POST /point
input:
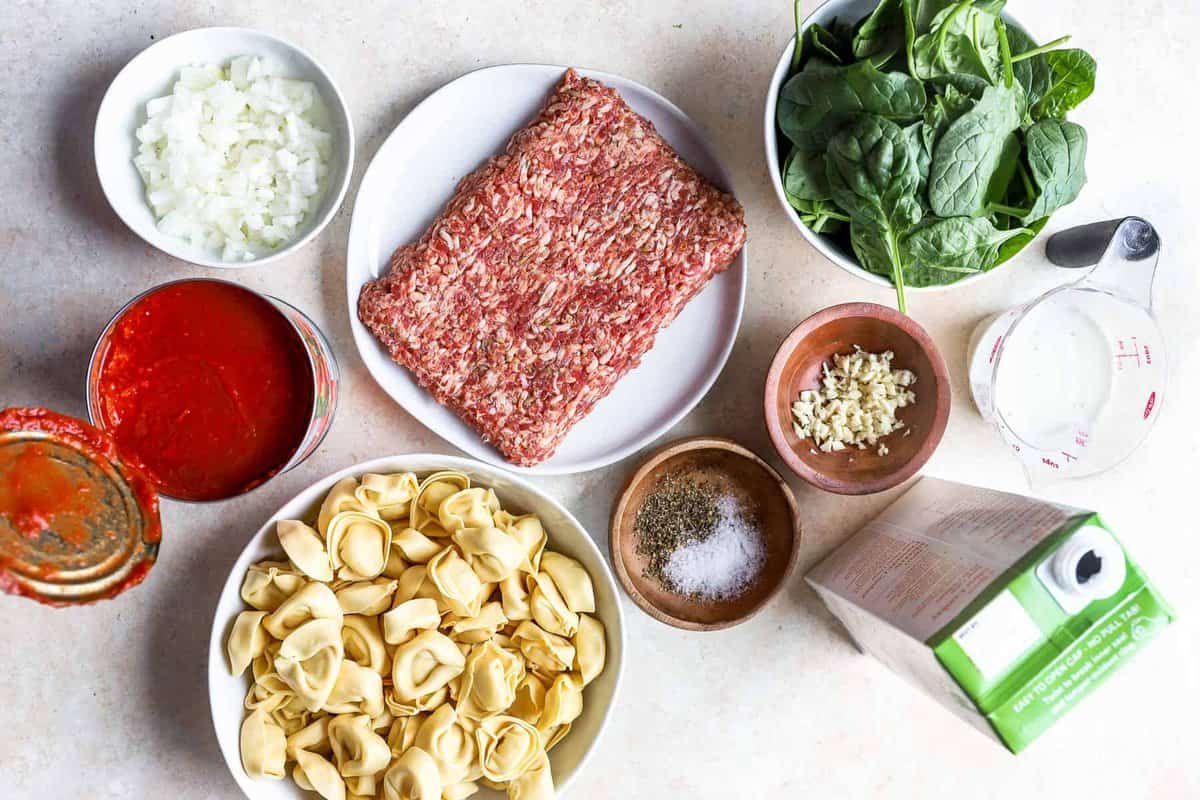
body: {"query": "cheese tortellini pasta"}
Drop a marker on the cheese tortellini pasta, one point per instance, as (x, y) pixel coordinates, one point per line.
(416, 641)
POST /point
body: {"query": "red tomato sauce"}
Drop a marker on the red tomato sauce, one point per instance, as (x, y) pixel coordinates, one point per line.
(207, 385)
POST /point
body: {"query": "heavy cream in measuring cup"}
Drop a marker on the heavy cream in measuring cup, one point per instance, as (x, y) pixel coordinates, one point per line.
(1074, 380)
(1056, 378)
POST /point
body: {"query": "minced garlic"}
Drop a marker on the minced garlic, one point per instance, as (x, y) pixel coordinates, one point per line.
(856, 404)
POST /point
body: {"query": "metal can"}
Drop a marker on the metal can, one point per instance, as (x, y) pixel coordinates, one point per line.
(322, 366)
(77, 522)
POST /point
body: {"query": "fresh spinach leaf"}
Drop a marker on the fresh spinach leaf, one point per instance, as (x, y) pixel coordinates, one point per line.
(804, 175)
(970, 151)
(921, 153)
(873, 245)
(881, 34)
(816, 102)
(1032, 72)
(872, 173)
(923, 12)
(824, 42)
(1006, 168)
(873, 177)
(957, 244)
(1017, 243)
(1072, 79)
(942, 110)
(961, 41)
(819, 216)
(1056, 150)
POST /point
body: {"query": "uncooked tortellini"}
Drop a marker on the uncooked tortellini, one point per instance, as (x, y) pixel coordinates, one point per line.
(359, 543)
(310, 659)
(508, 747)
(314, 601)
(424, 664)
(412, 776)
(389, 495)
(263, 746)
(357, 749)
(417, 641)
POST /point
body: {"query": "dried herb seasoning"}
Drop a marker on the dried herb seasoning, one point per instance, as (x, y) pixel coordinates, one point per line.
(678, 512)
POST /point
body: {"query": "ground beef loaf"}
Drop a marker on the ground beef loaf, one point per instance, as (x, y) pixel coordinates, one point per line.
(548, 274)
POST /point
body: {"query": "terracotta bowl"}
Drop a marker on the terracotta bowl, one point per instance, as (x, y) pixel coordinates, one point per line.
(728, 465)
(797, 366)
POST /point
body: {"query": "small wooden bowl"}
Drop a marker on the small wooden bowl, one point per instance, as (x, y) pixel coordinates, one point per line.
(726, 464)
(797, 366)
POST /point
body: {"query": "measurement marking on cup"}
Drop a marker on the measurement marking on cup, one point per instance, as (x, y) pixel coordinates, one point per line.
(1128, 350)
(1149, 405)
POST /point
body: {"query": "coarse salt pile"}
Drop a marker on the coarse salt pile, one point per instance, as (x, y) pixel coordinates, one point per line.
(234, 159)
(725, 563)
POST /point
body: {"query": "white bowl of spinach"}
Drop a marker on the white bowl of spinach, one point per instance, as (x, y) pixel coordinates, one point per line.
(922, 143)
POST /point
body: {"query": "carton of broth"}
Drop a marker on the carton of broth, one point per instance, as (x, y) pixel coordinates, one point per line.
(1006, 609)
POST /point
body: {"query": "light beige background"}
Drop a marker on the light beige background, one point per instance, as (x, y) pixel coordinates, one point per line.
(110, 701)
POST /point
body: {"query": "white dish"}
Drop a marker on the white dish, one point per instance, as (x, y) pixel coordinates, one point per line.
(415, 173)
(226, 693)
(151, 74)
(825, 14)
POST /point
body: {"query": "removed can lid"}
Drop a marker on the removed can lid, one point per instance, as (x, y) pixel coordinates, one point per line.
(77, 523)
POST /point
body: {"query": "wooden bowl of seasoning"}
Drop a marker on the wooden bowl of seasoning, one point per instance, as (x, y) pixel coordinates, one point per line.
(704, 534)
(799, 366)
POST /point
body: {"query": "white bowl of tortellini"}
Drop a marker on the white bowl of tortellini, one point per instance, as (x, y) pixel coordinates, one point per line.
(417, 627)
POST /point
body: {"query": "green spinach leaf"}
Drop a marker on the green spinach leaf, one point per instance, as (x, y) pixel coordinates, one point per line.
(873, 177)
(881, 35)
(814, 103)
(804, 175)
(820, 216)
(1032, 72)
(1072, 79)
(923, 12)
(1056, 151)
(962, 41)
(957, 244)
(942, 110)
(971, 150)
(826, 43)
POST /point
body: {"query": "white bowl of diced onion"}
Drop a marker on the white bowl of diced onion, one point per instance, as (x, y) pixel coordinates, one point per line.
(224, 147)
(564, 534)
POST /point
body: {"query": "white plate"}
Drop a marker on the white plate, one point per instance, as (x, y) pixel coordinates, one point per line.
(152, 73)
(227, 693)
(415, 173)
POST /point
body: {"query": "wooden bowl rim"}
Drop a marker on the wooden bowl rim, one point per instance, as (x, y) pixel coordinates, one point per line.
(620, 509)
(941, 415)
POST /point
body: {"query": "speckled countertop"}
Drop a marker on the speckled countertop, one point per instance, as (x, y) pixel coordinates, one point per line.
(111, 701)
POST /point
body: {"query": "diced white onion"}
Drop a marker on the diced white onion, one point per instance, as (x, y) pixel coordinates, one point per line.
(235, 159)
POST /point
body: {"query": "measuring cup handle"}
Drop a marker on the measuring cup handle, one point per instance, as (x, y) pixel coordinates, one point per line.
(1083, 245)
(1124, 251)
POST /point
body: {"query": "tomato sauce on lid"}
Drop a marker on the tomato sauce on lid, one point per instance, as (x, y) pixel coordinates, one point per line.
(207, 385)
(77, 523)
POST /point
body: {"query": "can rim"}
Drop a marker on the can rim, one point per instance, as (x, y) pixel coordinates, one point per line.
(93, 390)
(95, 445)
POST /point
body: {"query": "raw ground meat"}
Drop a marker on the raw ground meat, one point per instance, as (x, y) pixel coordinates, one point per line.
(548, 274)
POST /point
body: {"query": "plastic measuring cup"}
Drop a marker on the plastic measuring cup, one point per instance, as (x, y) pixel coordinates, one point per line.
(1074, 380)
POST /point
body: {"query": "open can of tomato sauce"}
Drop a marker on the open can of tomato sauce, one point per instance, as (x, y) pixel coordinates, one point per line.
(78, 523)
(213, 388)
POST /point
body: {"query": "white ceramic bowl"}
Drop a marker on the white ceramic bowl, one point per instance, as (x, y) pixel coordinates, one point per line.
(227, 693)
(851, 11)
(151, 74)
